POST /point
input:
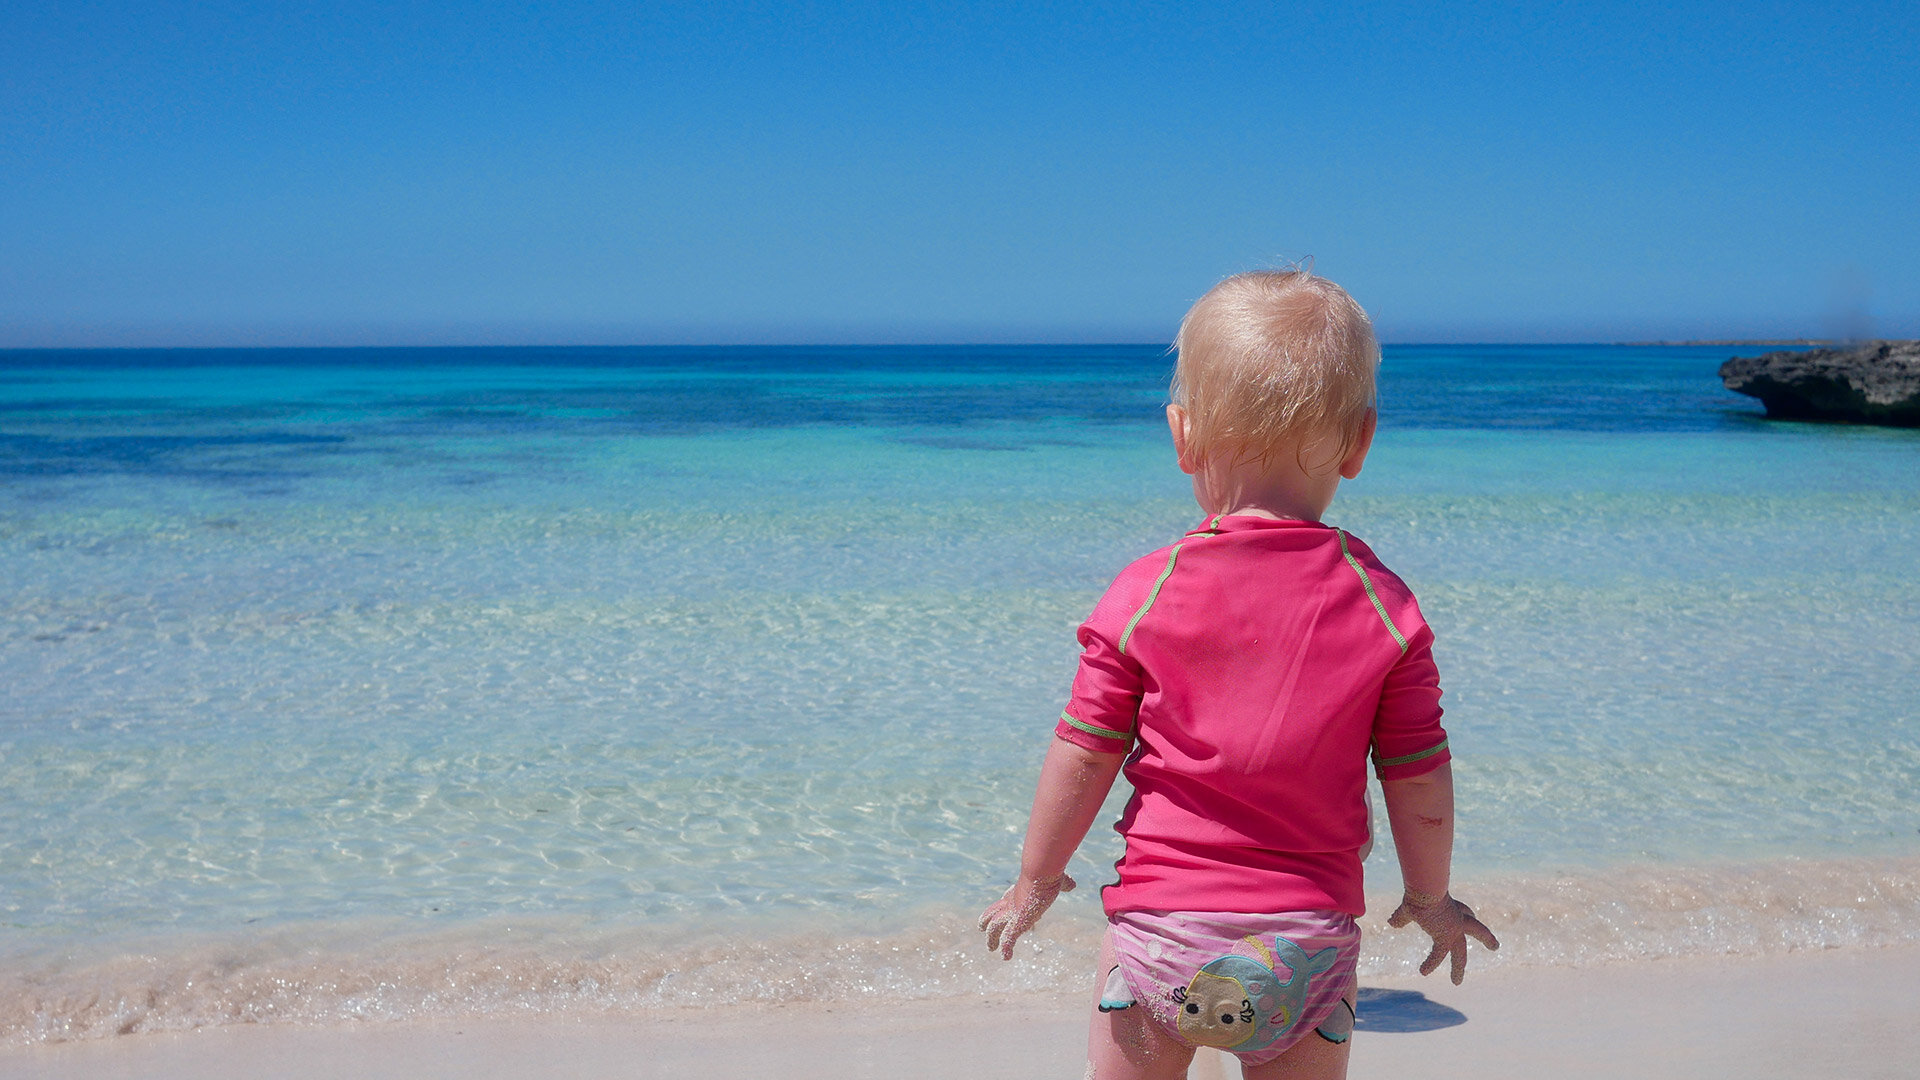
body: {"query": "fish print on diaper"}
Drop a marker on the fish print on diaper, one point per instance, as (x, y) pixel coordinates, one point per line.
(1238, 1003)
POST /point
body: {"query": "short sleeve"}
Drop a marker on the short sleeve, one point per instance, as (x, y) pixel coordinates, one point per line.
(1408, 740)
(1104, 709)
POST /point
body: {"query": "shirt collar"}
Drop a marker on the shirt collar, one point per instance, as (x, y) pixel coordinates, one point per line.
(1226, 523)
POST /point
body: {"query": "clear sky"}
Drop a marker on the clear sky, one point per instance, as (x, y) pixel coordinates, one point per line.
(216, 173)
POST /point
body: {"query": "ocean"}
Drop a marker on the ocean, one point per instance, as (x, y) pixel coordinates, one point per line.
(376, 683)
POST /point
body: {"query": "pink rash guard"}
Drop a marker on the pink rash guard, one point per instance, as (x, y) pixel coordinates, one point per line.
(1247, 671)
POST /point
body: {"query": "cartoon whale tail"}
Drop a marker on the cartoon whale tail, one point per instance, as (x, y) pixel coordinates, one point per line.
(1302, 966)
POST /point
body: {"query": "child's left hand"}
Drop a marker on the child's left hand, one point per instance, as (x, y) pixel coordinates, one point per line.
(1449, 923)
(1016, 913)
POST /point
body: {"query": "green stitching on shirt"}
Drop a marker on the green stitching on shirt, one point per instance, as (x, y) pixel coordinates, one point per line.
(1127, 634)
(1390, 762)
(1119, 736)
(1367, 584)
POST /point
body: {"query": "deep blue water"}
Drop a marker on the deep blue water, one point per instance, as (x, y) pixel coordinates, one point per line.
(248, 416)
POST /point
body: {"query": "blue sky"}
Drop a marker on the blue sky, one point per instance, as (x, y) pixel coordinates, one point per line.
(347, 173)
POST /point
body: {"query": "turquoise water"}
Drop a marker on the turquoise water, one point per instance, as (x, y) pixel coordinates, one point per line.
(338, 680)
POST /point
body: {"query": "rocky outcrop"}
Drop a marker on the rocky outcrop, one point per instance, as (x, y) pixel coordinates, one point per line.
(1875, 383)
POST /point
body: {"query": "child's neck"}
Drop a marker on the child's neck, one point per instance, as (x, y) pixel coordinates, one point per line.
(1278, 488)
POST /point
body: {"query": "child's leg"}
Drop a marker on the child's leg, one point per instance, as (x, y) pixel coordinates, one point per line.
(1126, 1044)
(1312, 1058)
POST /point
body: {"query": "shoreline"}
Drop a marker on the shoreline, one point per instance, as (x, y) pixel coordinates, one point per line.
(559, 969)
(1832, 1012)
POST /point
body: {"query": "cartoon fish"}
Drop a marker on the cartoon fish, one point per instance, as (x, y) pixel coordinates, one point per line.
(1238, 1003)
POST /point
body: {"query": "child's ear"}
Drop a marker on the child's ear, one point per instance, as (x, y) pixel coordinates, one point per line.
(1182, 428)
(1356, 457)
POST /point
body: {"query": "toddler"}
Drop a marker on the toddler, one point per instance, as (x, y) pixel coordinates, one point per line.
(1242, 677)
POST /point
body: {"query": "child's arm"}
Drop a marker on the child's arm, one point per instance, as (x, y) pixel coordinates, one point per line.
(1073, 783)
(1420, 811)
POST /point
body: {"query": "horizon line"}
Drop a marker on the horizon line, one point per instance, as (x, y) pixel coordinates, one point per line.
(1648, 343)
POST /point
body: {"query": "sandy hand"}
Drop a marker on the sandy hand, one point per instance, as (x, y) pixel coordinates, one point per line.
(1016, 913)
(1449, 923)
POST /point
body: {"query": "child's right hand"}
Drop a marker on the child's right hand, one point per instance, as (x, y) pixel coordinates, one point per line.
(1449, 923)
(1016, 912)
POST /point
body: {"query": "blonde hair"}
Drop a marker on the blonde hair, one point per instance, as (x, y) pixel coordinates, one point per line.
(1274, 359)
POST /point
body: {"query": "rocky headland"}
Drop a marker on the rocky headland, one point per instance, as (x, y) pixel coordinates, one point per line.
(1874, 383)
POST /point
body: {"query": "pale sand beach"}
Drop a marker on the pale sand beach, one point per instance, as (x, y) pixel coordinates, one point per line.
(1828, 1013)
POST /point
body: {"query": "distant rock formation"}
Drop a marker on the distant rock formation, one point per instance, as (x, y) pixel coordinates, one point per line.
(1875, 383)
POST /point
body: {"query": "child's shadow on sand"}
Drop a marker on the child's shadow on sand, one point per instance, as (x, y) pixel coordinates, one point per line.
(1402, 1010)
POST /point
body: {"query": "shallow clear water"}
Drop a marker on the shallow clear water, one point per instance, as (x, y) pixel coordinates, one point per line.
(388, 650)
